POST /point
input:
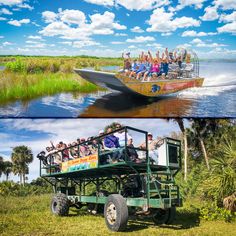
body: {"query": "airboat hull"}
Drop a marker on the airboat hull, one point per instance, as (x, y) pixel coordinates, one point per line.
(125, 84)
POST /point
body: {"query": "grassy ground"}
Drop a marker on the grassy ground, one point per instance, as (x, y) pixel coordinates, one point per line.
(14, 86)
(31, 216)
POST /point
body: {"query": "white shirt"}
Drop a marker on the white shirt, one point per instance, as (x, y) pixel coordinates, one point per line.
(121, 137)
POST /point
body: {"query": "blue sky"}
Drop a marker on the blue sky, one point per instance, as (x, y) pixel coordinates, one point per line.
(109, 27)
(37, 133)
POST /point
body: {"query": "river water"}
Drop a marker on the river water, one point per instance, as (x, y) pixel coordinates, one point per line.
(217, 98)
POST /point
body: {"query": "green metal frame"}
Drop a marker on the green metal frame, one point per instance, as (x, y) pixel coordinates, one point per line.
(161, 190)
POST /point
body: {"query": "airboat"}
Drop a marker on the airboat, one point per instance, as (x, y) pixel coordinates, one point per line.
(177, 79)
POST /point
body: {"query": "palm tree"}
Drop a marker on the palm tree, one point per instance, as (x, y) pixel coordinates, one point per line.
(200, 130)
(21, 157)
(7, 169)
(180, 122)
(224, 169)
(1, 166)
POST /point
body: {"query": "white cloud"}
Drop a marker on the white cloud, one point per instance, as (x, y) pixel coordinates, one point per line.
(1, 37)
(198, 4)
(36, 45)
(154, 45)
(72, 17)
(5, 11)
(35, 37)
(117, 42)
(3, 18)
(7, 44)
(132, 47)
(137, 29)
(138, 5)
(225, 4)
(184, 45)
(199, 43)
(18, 3)
(197, 40)
(141, 5)
(166, 34)
(26, 6)
(86, 43)
(210, 14)
(228, 18)
(141, 39)
(31, 42)
(120, 34)
(102, 24)
(222, 52)
(18, 22)
(11, 2)
(228, 28)
(101, 2)
(16, 9)
(162, 21)
(55, 28)
(192, 33)
(118, 26)
(49, 16)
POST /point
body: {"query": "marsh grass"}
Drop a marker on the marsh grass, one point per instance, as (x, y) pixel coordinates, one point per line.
(32, 65)
(30, 77)
(31, 216)
(14, 86)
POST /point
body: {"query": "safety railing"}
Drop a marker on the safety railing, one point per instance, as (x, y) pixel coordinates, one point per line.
(98, 152)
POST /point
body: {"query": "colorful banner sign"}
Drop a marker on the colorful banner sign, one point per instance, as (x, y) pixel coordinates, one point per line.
(82, 163)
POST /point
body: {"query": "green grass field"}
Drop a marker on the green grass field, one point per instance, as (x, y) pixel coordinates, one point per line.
(31, 216)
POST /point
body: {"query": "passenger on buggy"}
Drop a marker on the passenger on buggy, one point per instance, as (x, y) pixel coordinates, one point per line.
(111, 142)
(152, 148)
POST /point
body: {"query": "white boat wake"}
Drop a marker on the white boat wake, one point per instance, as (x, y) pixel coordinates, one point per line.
(212, 86)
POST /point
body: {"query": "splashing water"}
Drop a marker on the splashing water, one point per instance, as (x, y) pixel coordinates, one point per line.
(217, 79)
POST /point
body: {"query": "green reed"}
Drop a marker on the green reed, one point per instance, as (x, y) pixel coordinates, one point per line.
(14, 86)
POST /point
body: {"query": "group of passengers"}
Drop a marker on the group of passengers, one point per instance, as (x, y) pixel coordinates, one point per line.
(149, 68)
(110, 143)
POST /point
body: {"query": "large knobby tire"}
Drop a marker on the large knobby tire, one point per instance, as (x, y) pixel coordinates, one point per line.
(60, 205)
(116, 213)
(172, 214)
(164, 216)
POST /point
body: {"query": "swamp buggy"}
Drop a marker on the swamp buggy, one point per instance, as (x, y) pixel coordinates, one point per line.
(141, 186)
